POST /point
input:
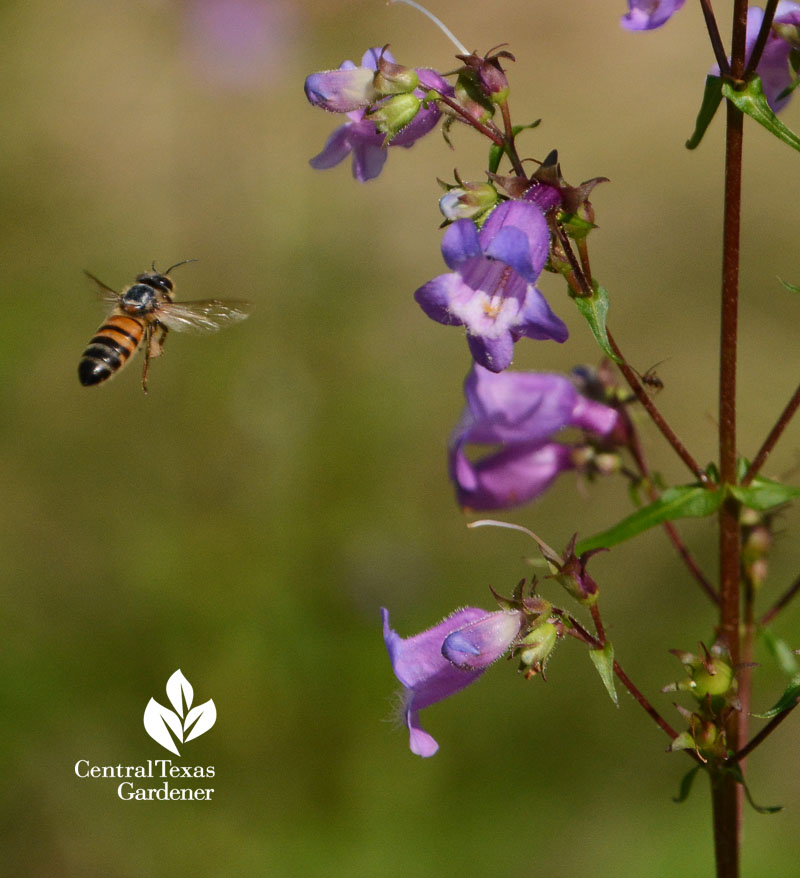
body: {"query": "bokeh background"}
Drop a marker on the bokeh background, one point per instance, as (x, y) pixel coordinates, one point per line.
(283, 480)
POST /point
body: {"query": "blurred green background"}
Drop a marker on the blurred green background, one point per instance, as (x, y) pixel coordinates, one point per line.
(283, 480)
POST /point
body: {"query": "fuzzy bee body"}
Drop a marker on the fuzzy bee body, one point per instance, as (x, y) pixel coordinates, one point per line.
(141, 316)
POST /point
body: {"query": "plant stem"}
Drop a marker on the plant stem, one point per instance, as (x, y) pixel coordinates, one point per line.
(775, 433)
(793, 589)
(658, 419)
(713, 34)
(768, 729)
(637, 452)
(726, 793)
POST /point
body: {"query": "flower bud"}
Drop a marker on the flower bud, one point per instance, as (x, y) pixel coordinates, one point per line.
(391, 116)
(535, 649)
(395, 79)
(467, 201)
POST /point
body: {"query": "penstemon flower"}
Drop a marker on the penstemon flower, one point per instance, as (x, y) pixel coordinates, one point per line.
(491, 289)
(521, 412)
(475, 638)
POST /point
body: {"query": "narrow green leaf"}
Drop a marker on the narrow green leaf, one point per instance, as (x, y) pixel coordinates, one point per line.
(686, 785)
(763, 494)
(684, 501)
(780, 650)
(712, 98)
(787, 701)
(594, 309)
(752, 102)
(791, 287)
(603, 660)
(736, 771)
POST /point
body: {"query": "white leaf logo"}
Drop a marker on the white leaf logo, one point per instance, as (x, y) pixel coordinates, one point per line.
(184, 722)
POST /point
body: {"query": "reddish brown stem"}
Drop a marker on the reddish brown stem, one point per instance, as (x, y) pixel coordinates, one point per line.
(658, 419)
(635, 447)
(725, 792)
(761, 39)
(793, 589)
(714, 36)
(768, 729)
(775, 433)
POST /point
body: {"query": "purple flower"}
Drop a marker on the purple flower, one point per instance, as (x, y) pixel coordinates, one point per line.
(491, 289)
(649, 14)
(473, 638)
(773, 67)
(521, 412)
(351, 90)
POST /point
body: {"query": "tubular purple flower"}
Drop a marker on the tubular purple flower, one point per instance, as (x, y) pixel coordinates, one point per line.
(427, 676)
(521, 412)
(350, 90)
(490, 289)
(649, 14)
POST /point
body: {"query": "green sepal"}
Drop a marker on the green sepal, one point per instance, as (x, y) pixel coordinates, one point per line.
(752, 102)
(686, 785)
(791, 287)
(603, 660)
(787, 701)
(594, 309)
(736, 771)
(763, 494)
(496, 152)
(712, 98)
(683, 501)
(780, 650)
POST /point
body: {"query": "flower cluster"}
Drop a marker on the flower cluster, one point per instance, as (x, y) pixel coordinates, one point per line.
(521, 412)
(384, 104)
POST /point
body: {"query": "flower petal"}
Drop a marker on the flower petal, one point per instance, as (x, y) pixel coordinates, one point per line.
(479, 643)
(459, 243)
(514, 476)
(435, 297)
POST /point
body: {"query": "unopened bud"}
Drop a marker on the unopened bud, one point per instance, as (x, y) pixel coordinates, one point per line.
(391, 116)
(395, 79)
(535, 649)
(467, 201)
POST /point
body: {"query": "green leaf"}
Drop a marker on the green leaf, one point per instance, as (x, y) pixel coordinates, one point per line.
(780, 650)
(791, 287)
(787, 701)
(684, 501)
(594, 309)
(686, 785)
(603, 660)
(763, 494)
(751, 101)
(712, 98)
(736, 771)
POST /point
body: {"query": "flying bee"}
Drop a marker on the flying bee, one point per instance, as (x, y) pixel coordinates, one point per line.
(141, 315)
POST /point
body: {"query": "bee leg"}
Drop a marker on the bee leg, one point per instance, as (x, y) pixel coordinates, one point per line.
(152, 348)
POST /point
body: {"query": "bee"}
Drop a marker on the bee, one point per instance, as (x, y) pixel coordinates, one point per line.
(141, 315)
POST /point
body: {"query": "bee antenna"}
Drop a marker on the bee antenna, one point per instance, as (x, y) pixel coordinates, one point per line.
(183, 262)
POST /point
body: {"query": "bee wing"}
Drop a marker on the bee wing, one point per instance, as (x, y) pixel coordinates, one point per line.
(108, 296)
(207, 315)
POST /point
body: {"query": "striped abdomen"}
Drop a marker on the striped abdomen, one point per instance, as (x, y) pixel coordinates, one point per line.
(111, 348)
